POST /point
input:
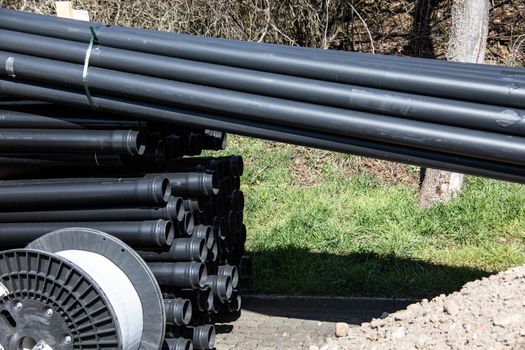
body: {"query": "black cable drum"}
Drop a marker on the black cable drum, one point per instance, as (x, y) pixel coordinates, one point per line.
(61, 292)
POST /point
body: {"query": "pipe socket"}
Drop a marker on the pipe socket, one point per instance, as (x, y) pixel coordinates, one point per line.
(178, 311)
(180, 274)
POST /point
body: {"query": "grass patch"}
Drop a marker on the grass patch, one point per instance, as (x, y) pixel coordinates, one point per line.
(326, 223)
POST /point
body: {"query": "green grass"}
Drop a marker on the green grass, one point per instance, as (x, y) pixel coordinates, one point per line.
(317, 228)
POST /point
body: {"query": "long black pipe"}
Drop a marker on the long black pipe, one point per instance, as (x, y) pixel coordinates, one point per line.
(203, 337)
(155, 233)
(215, 140)
(366, 74)
(178, 311)
(62, 159)
(500, 70)
(411, 133)
(172, 211)
(201, 298)
(182, 249)
(204, 232)
(58, 140)
(179, 274)
(412, 106)
(349, 57)
(53, 117)
(232, 272)
(230, 165)
(221, 286)
(191, 183)
(83, 193)
(270, 131)
(177, 344)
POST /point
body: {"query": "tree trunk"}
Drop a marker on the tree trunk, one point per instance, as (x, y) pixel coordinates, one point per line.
(467, 43)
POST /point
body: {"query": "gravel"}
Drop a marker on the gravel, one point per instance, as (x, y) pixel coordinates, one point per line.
(485, 314)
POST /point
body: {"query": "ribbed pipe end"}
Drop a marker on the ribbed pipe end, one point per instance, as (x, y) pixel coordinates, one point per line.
(175, 208)
(160, 189)
(189, 223)
(204, 337)
(135, 142)
(198, 249)
(177, 344)
(169, 232)
(178, 311)
(214, 251)
(197, 274)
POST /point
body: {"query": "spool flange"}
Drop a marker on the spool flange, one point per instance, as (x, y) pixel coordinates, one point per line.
(40, 278)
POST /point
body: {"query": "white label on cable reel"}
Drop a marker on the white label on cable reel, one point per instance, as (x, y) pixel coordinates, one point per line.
(3, 292)
(119, 290)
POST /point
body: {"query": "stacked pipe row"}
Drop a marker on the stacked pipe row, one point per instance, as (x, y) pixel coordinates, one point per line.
(66, 167)
(446, 115)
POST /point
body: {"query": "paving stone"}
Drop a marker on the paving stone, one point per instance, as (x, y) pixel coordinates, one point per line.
(262, 332)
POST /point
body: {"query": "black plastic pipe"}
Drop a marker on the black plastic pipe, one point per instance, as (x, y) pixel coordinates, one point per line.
(225, 166)
(69, 194)
(171, 212)
(366, 148)
(196, 250)
(348, 57)
(366, 73)
(204, 232)
(412, 106)
(226, 185)
(232, 272)
(215, 140)
(178, 311)
(195, 144)
(60, 117)
(155, 233)
(191, 183)
(187, 224)
(267, 46)
(220, 227)
(213, 252)
(203, 337)
(234, 221)
(411, 133)
(194, 204)
(201, 298)
(177, 344)
(62, 159)
(179, 274)
(234, 200)
(182, 249)
(59, 140)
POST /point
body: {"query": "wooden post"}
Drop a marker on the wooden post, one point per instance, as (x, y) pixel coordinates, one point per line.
(65, 10)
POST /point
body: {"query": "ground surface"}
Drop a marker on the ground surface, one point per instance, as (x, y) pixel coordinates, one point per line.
(333, 224)
(263, 332)
(485, 314)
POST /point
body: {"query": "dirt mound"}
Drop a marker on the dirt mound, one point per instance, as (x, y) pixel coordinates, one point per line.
(484, 314)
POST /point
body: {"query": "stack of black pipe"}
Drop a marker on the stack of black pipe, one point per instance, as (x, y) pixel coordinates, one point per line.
(65, 167)
(446, 115)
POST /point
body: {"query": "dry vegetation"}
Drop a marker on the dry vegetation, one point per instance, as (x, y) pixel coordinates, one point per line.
(406, 27)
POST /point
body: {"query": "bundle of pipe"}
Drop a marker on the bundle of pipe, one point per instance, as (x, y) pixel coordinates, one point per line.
(217, 204)
(91, 141)
(446, 115)
(185, 218)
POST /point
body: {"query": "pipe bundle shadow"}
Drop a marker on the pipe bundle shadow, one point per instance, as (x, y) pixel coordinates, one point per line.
(357, 286)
